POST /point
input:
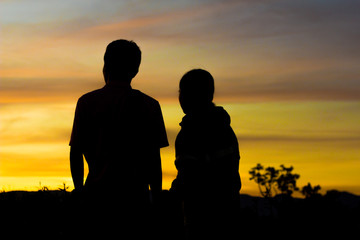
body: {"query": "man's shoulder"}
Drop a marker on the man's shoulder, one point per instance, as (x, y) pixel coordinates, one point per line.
(91, 95)
(146, 98)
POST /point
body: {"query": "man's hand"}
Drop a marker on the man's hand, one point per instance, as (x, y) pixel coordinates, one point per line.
(77, 167)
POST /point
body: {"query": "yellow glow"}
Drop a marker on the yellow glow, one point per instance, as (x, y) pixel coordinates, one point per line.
(319, 139)
(49, 60)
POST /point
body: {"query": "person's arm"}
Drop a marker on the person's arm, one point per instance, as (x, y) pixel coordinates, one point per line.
(77, 167)
(161, 141)
(156, 176)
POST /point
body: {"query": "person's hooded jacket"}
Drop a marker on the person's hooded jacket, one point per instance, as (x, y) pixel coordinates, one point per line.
(207, 155)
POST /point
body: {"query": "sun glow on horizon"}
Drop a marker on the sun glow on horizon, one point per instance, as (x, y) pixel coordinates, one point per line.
(287, 73)
(34, 143)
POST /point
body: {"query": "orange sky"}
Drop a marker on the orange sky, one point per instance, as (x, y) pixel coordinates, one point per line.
(320, 139)
(287, 72)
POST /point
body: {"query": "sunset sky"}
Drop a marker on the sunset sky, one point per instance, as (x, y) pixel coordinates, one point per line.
(288, 73)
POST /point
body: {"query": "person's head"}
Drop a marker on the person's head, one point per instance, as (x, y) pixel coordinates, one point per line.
(196, 90)
(121, 61)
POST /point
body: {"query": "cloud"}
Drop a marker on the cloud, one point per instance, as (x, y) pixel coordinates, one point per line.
(255, 49)
(302, 89)
(35, 123)
(198, 21)
(45, 90)
(287, 139)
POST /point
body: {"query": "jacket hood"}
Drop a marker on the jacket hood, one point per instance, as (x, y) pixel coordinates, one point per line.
(214, 116)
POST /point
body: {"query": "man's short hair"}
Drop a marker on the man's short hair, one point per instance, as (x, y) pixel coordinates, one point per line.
(122, 58)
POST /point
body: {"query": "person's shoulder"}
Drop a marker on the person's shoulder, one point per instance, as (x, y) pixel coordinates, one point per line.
(90, 96)
(221, 115)
(146, 98)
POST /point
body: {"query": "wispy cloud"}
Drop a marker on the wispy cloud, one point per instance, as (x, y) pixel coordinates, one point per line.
(258, 49)
(291, 139)
(268, 51)
(46, 89)
(35, 123)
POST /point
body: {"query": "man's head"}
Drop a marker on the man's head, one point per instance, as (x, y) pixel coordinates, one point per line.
(196, 90)
(121, 61)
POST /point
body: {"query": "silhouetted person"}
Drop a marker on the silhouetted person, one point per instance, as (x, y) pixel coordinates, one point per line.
(119, 131)
(207, 160)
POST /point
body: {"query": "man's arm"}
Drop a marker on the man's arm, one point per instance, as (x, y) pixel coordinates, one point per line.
(156, 175)
(77, 167)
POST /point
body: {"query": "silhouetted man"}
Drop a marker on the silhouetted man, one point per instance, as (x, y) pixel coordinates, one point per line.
(207, 160)
(119, 131)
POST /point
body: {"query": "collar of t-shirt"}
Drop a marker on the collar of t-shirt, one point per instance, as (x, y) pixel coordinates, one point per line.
(118, 84)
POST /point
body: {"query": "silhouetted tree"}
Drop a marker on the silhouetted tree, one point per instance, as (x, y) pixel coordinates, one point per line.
(308, 191)
(265, 179)
(286, 182)
(272, 180)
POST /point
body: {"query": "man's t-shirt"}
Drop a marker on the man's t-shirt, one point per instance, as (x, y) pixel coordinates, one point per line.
(120, 131)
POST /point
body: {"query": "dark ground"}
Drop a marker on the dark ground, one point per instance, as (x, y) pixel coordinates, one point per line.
(49, 214)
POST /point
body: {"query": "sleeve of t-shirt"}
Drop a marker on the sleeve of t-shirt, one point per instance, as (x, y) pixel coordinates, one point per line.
(76, 133)
(162, 137)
